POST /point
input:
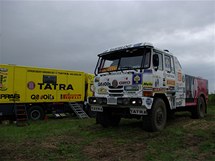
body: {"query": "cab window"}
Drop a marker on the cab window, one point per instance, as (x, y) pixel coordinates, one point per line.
(160, 55)
(169, 64)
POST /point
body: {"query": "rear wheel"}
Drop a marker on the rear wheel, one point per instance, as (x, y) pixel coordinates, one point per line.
(157, 116)
(36, 113)
(200, 110)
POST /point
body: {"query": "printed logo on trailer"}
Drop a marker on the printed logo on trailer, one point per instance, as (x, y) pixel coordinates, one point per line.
(31, 85)
(49, 86)
(70, 96)
(3, 79)
(42, 97)
(10, 97)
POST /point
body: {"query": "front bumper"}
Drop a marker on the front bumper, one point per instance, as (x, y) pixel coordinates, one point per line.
(136, 105)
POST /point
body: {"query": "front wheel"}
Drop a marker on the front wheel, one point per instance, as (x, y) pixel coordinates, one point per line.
(103, 119)
(106, 119)
(157, 116)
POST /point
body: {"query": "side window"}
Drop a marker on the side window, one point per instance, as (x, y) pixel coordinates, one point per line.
(160, 67)
(169, 64)
(172, 66)
(160, 55)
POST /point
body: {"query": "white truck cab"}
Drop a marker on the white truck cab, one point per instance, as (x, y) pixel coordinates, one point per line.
(135, 81)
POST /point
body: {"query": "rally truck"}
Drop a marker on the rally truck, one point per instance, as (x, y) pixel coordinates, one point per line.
(41, 90)
(141, 81)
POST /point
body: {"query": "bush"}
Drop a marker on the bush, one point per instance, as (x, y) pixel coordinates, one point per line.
(211, 98)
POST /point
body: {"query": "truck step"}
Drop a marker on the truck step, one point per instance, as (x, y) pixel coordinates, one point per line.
(21, 115)
(78, 110)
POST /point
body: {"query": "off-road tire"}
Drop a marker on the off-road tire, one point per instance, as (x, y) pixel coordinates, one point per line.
(200, 110)
(103, 119)
(115, 120)
(157, 116)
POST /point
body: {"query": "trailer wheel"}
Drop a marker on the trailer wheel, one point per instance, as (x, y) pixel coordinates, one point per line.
(36, 113)
(156, 119)
(200, 110)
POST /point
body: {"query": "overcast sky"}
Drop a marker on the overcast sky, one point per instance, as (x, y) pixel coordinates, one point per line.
(70, 34)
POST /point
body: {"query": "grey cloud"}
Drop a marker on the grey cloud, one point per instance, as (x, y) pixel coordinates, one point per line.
(70, 34)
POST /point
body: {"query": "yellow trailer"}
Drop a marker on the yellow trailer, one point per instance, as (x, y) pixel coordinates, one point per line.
(41, 89)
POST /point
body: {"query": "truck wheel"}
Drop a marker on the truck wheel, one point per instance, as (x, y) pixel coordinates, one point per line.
(156, 119)
(199, 111)
(115, 120)
(103, 118)
(36, 113)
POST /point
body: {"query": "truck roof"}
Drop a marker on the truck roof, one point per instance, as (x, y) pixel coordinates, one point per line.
(131, 46)
(42, 68)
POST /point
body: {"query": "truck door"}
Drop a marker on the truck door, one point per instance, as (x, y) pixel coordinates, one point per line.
(159, 82)
(170, 79)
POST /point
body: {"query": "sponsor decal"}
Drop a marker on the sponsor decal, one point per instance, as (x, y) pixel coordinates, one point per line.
(124, 82)
(137, 78)
(3, 70)
(97, 79)
(157, 82)
(147, 89)
(170, 82)
(10, 97)
(42, 97)
(148, 101)
(114, 83)
(171, 88)
(169, 75)
(160, 90)
(181, 96)
(104, 84)
(179, 102)
(53, 72)
(49, 86)
(31, 85)
(3, 79)
(102, 90)
(70, 96)
(147, 71)
(181, 89)
(147, 84)
(179, 76)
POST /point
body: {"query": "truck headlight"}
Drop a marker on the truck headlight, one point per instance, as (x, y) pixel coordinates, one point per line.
(92, 100)
(131, 88)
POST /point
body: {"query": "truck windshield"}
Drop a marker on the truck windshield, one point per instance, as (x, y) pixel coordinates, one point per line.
(125, 60)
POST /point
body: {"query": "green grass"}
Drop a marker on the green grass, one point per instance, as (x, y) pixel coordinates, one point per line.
(76, 140)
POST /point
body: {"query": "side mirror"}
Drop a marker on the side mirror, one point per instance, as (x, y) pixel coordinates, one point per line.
(156, 61)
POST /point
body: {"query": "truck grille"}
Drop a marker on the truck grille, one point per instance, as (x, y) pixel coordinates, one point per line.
(115, 92)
